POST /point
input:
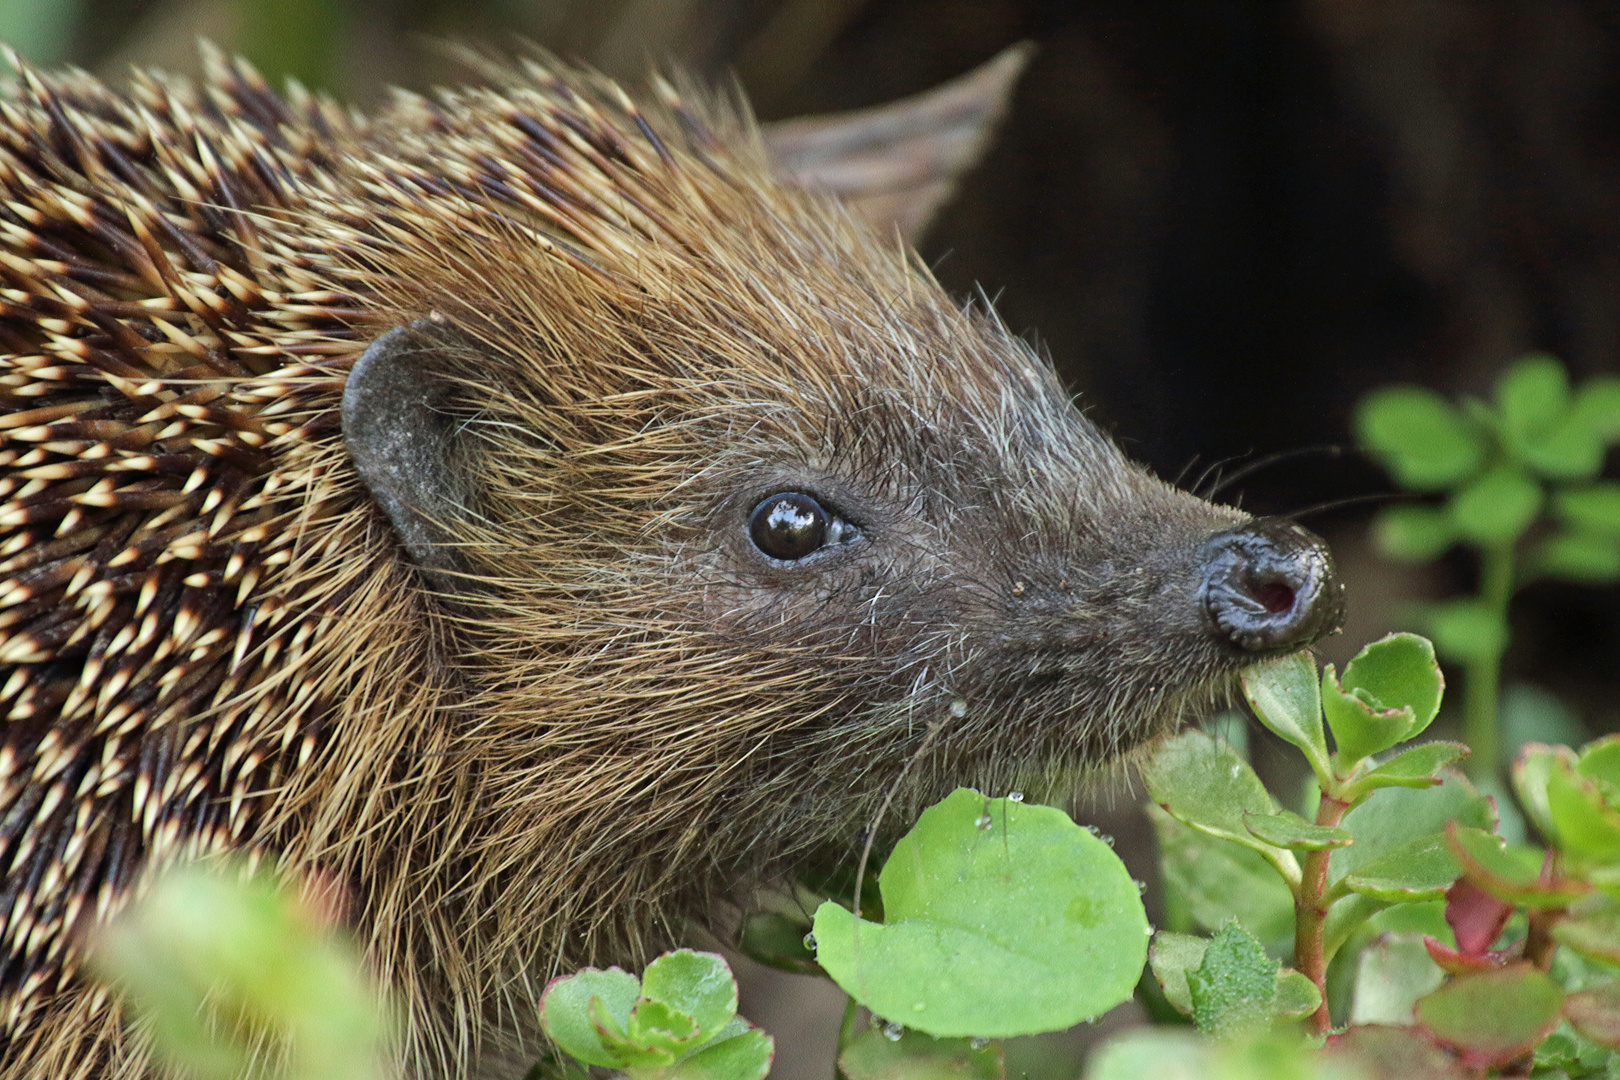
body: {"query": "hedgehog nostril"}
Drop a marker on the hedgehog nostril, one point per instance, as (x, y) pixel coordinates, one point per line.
(1269, 586)
(1275, 597)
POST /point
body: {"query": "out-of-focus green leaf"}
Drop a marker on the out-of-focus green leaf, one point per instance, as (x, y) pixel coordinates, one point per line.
(1391, 974)
(1592, 927)
(222, 966)
(777, 940)
(1497, 507)
(1595, 1012)
(1578, 555)
(1597, 404)
(1585, 825)
(1530, 774)
(1595, 507)
(1420, 436)
(1412, 533)
(1467, 630)
(1493, 1017)
(1510, 872)
(872, 1055)
(1532, 394)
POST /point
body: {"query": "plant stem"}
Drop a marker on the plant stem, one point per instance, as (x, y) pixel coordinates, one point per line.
(1310, 913)
(1483, 675)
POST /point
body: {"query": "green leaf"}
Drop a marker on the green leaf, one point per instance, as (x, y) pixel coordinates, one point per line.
(1420, 436)
(1218, 881)
(1494, 1016)
(1585, 825)
(1206, 785)
(1600, 760)
(872, 1055)
(1510, 872)
(1297, 997)
(1413, 534)
(1597, 405)
(1389, 1052)
(657, 1026)
(697, 984)
(1031, 925)
(1595, 507)
(1420, 869)
(1286, 829)
(1592, 927)
(1398, 816)
(1467, 630)
(1497, 507)
(743, 1056)
(222, 965)
(1390, 692)
(1284, 696)
(1569, 450)
(1530, 774)
(1391, 974)
(564, 1011)
(1171, 957)
(1234, 988)
(630, 1052)
(1577, 555)
(1532, 395)
(1417, 767)
(1160, 1053)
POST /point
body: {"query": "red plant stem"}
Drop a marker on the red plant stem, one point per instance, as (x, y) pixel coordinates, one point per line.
(1310, 914)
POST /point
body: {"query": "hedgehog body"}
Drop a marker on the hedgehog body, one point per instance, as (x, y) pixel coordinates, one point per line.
(561, 724)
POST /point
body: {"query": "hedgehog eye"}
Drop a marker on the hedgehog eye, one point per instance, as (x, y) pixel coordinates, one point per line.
(790, 525)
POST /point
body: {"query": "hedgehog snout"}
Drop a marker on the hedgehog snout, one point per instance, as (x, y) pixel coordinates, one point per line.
(1269, 586)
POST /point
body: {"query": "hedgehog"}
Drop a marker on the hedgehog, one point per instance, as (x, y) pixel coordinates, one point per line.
(525, 508)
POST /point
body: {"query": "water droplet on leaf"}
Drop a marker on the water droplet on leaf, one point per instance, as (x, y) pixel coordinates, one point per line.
(892, 1031)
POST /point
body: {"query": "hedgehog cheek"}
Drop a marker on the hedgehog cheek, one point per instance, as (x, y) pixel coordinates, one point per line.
(403, 440)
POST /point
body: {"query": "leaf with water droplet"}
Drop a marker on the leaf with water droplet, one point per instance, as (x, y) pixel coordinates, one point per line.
(1031, 927)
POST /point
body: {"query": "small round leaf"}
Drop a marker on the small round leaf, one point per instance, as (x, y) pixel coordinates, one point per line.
(1593, 508)
(1597, 404)
(1578, 555)
(1413, 534)
(1532, 395)
(565, 1011)
(1494, 1016)
(1497, 507)
(1422, 438)
(1467, 630)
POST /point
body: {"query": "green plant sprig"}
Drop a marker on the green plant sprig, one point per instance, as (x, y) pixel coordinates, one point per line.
(1520, 480)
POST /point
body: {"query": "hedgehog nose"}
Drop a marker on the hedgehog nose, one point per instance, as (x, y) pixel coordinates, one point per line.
(1269, 586)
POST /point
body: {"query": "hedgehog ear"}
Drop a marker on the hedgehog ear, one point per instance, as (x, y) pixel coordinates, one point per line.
(897, 165)
(404, 442)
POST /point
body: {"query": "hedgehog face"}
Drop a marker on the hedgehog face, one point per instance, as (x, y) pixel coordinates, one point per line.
(864, 561)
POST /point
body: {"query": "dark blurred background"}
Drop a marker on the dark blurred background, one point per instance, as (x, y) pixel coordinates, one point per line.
(1226, 220)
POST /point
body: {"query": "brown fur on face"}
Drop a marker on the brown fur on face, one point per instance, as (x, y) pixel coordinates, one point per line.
(606, 706)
